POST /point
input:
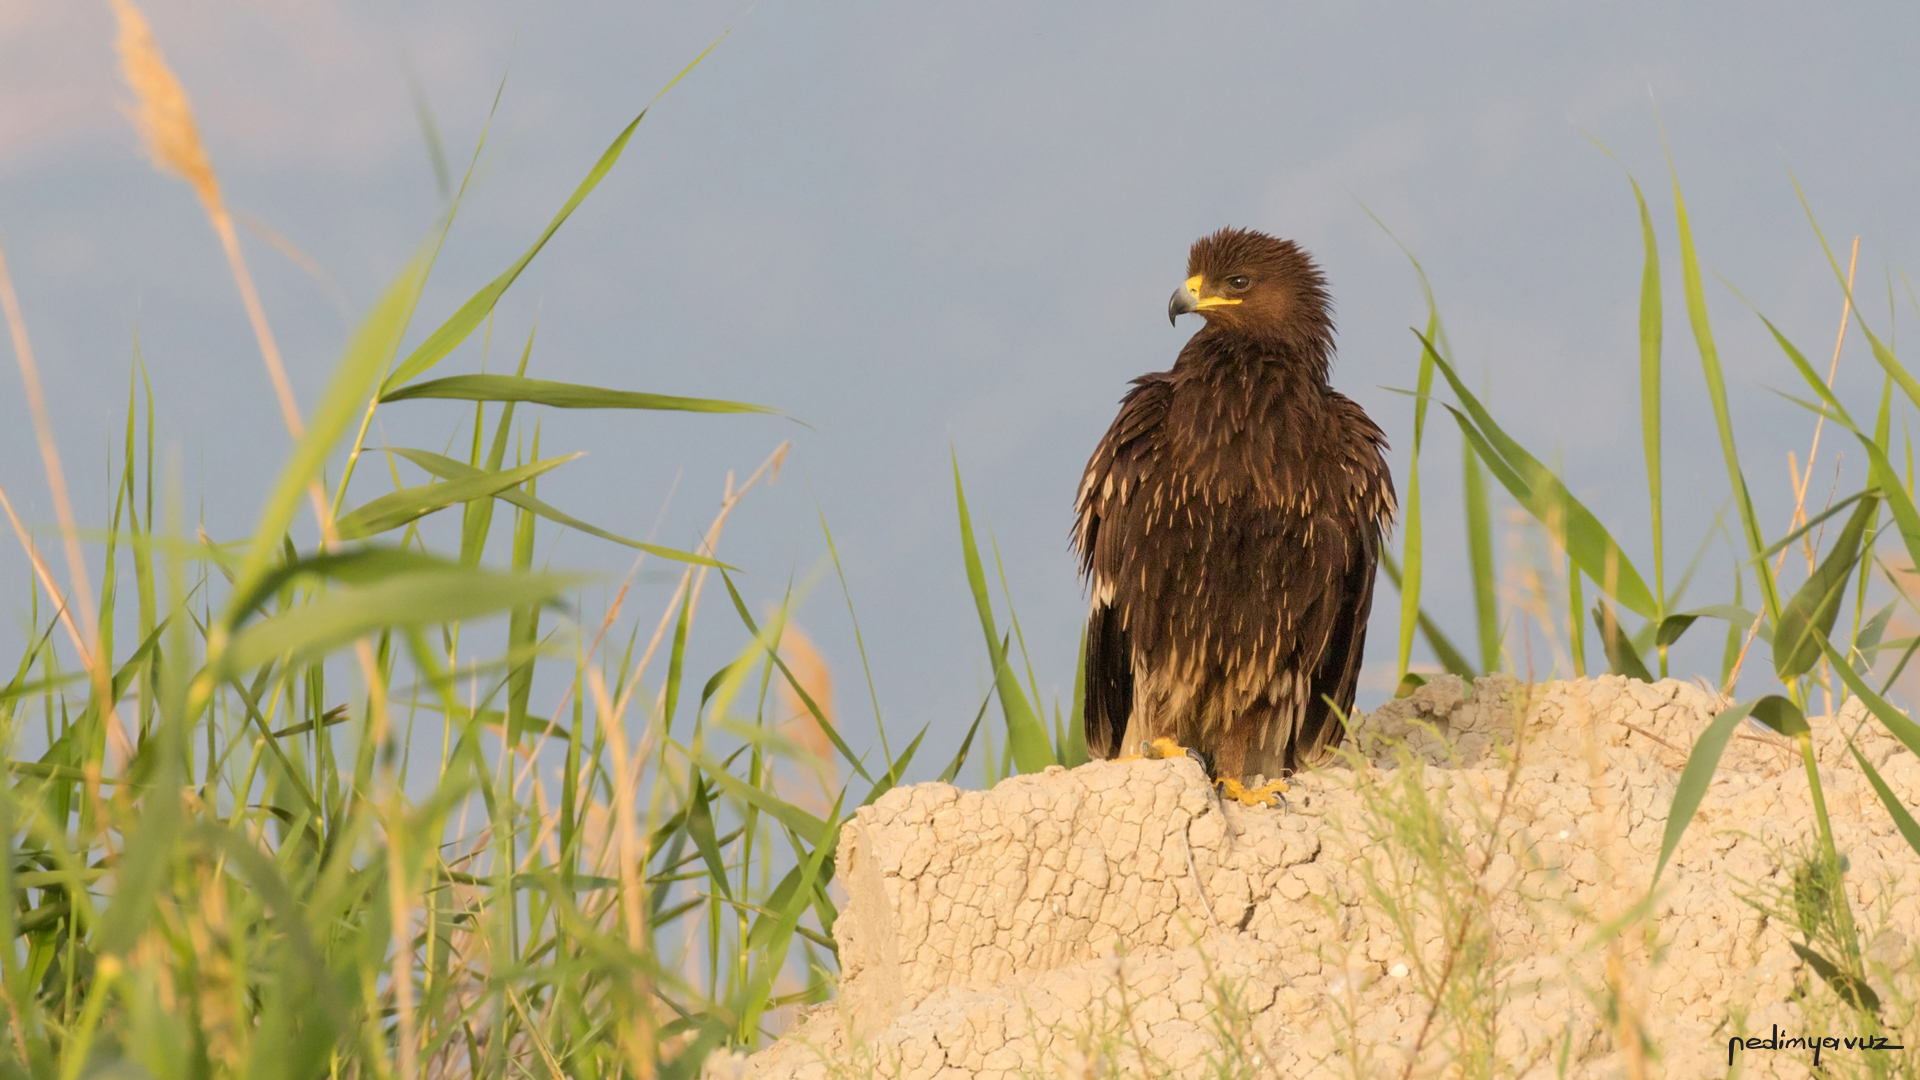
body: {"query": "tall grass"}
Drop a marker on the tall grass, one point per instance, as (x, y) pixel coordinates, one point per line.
(1799, 629)
(350, 797)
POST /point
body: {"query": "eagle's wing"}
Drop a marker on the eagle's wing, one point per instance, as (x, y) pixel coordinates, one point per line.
(1330, 693)
(1337, 668)
(1132, 447)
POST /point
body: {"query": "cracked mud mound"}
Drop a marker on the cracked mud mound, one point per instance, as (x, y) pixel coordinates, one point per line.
(1066, 923)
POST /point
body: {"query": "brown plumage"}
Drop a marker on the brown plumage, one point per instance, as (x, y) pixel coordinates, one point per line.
(1228, 527)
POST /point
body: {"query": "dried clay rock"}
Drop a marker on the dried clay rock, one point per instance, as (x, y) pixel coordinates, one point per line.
(1118, 919)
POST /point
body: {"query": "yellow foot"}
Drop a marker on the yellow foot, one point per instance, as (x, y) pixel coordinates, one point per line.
(1270, 794)
(1163, 747)
(1158, 749)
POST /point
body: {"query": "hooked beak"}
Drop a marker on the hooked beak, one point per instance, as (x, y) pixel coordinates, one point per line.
(1186, 299)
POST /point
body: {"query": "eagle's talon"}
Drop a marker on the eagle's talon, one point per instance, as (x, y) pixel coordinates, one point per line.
(1270, 794)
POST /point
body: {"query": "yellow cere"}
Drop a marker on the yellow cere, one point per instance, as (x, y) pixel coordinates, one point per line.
(1193, 288)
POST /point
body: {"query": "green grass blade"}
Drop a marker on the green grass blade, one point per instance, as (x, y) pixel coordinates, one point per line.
(1888, 485)
(447, 468)
(1781, 716)
(421, 598)
(264, 879)
(1486, 600)
(1673, 626)
(1881, 353)
(1717, 394)
(805, 825)
(362, 566)
(464, 321)
(1896, 722)
(700, 827)
(1651, 322)
(429, 132)
(1019, 636)
(1902, 817)
(896, 770)
(1816, 521)
(353, 377)
(1412, 535)
(774, 959)
(143, 571)
(1808, 618)
(1735, 643)
(859, 641)
(1694, 778)
(1411, 507)
(523, 625)
(1027, 738)
(948, 774)
(1652, 326)
(1576, 627)
(1534, 487)
(793, 682)
(1621, 657)
(407, 505)
(143, 870)
(18, 689)
(676, 660)
(1898, 725)
(1075, 753)
(412, 303)
(1884, 477)
(1444, 650)
(476, 522)
(560, 395)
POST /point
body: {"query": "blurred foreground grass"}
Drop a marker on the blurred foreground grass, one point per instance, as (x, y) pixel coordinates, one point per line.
(295, 811)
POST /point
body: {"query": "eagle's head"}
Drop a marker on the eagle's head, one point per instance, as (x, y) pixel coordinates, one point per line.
(1247, 283)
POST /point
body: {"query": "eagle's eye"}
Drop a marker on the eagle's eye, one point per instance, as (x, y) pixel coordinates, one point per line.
(1239, 282)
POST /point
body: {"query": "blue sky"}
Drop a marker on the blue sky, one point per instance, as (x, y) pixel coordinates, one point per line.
(928, 230)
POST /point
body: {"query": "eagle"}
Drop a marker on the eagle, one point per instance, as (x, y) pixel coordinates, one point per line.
(1228, 527)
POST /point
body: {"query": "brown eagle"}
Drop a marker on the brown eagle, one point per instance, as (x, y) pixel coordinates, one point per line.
(1228, 528)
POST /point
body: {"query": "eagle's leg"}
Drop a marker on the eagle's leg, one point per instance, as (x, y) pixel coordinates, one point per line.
(1270, 794)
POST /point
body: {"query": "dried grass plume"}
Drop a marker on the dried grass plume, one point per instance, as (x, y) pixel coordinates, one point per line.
(811, 672)
(165, 118)
(161, 110)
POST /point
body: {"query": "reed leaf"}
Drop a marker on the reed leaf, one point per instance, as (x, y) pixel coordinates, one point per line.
(1534, 487)
(1413, 523)
(1717, 395)
(420, 598)
(403, 507)
(1451, 658)
(559, 395)
(1026, 735)
(1808, 618)
(372, 344)
(1486, 599)
(463, 322)
(1622, 659)
(448, 469)
(1702, 760)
